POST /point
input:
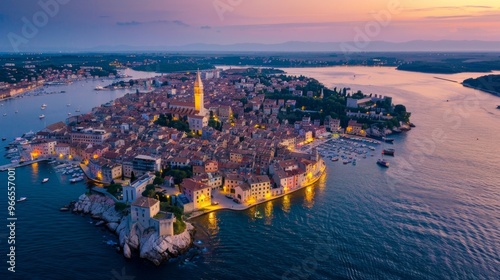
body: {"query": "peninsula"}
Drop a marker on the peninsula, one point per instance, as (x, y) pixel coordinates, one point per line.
(186, 144)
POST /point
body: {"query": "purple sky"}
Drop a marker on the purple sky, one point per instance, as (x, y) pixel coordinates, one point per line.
(80, 24)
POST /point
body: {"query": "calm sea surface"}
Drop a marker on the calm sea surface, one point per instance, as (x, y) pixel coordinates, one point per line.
(434, 214)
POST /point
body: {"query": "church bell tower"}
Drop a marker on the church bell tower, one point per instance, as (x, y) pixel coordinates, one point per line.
(198, 94)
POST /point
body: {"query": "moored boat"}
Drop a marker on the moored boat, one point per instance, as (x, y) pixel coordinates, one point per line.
(388, 140)
(45, 180)
(388, 152)
(383, 163)
(21, 199)
(41, 116)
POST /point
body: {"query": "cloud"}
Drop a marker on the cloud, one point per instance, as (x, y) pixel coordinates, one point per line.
(450, 17)
(169, 22)
(180, 23)
(449, 8)
(479, 7)
(129, 23)
(206, 27)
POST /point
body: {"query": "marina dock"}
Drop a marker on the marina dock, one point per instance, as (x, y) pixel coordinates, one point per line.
(19, 164)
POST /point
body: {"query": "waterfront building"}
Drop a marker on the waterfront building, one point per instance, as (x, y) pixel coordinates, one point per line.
(146, 212)
(111, 171)
(62, 150)
(242, 192)
(199, 194)
(231, 181)
(355, 128)
(260, 187)
(43, 147)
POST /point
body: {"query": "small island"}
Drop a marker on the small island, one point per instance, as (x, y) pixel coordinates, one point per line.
(488, 83)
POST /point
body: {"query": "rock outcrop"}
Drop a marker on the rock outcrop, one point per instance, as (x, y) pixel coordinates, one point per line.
(134, 237)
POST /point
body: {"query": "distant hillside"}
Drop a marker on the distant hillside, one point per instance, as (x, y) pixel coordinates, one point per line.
(488, 83)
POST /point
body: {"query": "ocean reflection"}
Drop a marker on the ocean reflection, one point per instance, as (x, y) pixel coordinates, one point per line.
(213, 227)
(268, 212)
(34, 168)
(321, 184)
(309, 197)
(286, 204)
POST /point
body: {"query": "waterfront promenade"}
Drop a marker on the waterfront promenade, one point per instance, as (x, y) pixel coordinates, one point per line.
(225, 203)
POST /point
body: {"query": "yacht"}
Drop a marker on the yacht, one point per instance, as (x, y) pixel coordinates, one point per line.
(45, 180)
(388, 152)
(383, 163)
(77, 110)
(388, 140)
(99, 88)
(43, 106)
(69, 114)
(41, 116)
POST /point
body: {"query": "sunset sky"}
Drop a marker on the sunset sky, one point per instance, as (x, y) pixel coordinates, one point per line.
(90, 23)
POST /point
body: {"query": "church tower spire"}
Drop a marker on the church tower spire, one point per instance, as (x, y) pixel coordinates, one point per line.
(198, 94)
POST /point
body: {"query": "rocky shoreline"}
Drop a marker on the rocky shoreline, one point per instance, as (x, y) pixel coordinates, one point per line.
(133, 238)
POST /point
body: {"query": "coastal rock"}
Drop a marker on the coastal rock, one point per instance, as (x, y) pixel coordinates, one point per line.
(126, 251)
(134, 237)
(111, 215)
(123, 231)
(158, 249)
(149, 251)
(112, 226)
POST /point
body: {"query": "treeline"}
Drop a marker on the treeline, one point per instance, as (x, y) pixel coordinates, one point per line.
(450, 66)
(168, 67)
(488, 83)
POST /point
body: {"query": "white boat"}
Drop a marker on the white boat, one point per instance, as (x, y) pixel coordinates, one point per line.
(77, 110)
(69, 114)
(45, 180)
(99, 88)
(77, 179)
(41, 116)
(21, 199)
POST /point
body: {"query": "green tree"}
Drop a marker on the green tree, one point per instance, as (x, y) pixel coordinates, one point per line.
(114, 188)
(149, 191)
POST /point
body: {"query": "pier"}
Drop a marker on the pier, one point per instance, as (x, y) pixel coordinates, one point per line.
(19, 164)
